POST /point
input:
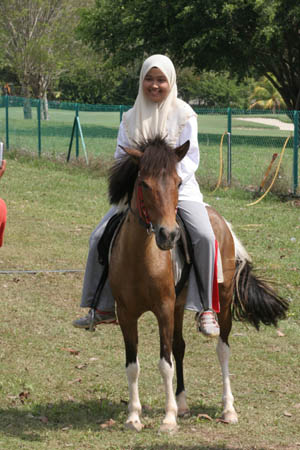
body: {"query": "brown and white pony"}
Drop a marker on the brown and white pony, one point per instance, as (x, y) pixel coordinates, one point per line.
(142, 278)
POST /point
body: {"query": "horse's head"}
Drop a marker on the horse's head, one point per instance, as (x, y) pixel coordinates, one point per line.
(155, 194)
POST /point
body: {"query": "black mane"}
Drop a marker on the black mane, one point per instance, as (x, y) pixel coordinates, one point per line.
(158, 155)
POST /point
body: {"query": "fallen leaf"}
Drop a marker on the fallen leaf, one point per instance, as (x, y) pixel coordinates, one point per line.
(108, 423)
(280, 333)
(71, 351)
(24, 396)
(287, 414)
(204, 416)
(222, 421)
(297, 405)
(81, 366)
(78, 380)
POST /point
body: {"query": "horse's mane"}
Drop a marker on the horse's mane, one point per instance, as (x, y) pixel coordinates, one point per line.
(157, 156)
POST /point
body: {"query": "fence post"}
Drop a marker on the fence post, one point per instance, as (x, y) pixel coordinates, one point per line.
(6, 123)
(77, 131)
(39, 127)
(229, 126)
(296, 145)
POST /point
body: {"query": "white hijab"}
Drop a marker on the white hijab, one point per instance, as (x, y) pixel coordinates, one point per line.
(147, 119)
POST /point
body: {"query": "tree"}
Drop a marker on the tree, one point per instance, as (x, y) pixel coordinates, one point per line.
(245, 37)
(93, 80)
(37, 40)
(211, 89)
(265, 96)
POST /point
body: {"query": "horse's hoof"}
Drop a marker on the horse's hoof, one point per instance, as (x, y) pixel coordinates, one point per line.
(184, 412)
(168, 428)
(230, 417)
(135, 426)
(183, 409)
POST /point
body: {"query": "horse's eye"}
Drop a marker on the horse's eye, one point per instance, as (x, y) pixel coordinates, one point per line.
(179, 184)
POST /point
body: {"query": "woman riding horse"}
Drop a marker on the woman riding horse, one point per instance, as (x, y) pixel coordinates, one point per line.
(158, 111)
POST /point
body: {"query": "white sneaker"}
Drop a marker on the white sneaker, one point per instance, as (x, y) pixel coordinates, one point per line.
(207, 323)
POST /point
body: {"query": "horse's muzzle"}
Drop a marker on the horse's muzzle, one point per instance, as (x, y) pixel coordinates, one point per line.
(166, 239)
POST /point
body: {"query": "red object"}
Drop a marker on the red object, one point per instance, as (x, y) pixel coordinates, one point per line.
(215, 294)
(3, 214)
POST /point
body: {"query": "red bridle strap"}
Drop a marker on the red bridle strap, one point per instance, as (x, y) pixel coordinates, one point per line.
(143, 215)
(141, 206)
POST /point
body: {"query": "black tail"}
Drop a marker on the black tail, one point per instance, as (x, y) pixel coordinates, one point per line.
(254, 300)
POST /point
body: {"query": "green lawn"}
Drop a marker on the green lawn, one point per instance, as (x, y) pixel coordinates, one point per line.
(66, 388)
(253, 145)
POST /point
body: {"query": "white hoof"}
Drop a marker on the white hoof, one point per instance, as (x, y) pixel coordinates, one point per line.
(135, 426)
(168, 428)
(230, 417)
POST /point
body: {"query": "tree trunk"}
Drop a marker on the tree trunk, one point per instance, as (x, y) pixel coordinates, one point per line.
(45, 109)
(27, 103)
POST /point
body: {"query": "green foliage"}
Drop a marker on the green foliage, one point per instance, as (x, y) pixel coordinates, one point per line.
(246, 37)
(265, 96)
(93, 80)
(211, 89)
(37, 41)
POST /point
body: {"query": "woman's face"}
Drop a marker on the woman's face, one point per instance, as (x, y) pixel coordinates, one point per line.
(155, 85)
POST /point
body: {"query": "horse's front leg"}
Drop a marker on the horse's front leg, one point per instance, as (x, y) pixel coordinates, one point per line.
(166, 366)
(130, 334)
(223, 351)
(178, 352)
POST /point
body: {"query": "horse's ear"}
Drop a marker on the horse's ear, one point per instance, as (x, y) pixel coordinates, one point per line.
(182, 150)
(134, 153)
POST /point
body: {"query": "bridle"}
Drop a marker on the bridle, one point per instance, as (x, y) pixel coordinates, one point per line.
(143, 215)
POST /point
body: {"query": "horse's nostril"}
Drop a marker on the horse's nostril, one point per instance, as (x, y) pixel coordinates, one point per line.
(166, 235)
(163, 234)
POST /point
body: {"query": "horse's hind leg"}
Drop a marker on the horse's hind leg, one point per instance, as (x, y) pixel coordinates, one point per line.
(130, 334)
(223, 351)
(178, 352)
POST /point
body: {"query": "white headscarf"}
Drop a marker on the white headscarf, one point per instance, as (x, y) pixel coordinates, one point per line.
(147, 119)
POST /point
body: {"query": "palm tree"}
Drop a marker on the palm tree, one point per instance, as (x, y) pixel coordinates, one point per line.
(265, 96)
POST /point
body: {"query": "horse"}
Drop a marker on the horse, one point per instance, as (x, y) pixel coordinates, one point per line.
(142, 278)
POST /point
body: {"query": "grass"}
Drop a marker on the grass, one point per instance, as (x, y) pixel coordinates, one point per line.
(66, 388)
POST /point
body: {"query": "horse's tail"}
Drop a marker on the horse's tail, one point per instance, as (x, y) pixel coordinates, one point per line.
(254, 300)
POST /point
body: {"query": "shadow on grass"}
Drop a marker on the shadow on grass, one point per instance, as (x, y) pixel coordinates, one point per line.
(90, 414)
(31, 423)
(27, 423)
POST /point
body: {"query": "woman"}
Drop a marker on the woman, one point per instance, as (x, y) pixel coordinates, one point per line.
(158, 110)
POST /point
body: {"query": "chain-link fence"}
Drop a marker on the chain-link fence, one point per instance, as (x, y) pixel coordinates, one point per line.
(237, 147)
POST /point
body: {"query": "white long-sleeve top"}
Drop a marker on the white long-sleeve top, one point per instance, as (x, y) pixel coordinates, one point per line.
(186, 168)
